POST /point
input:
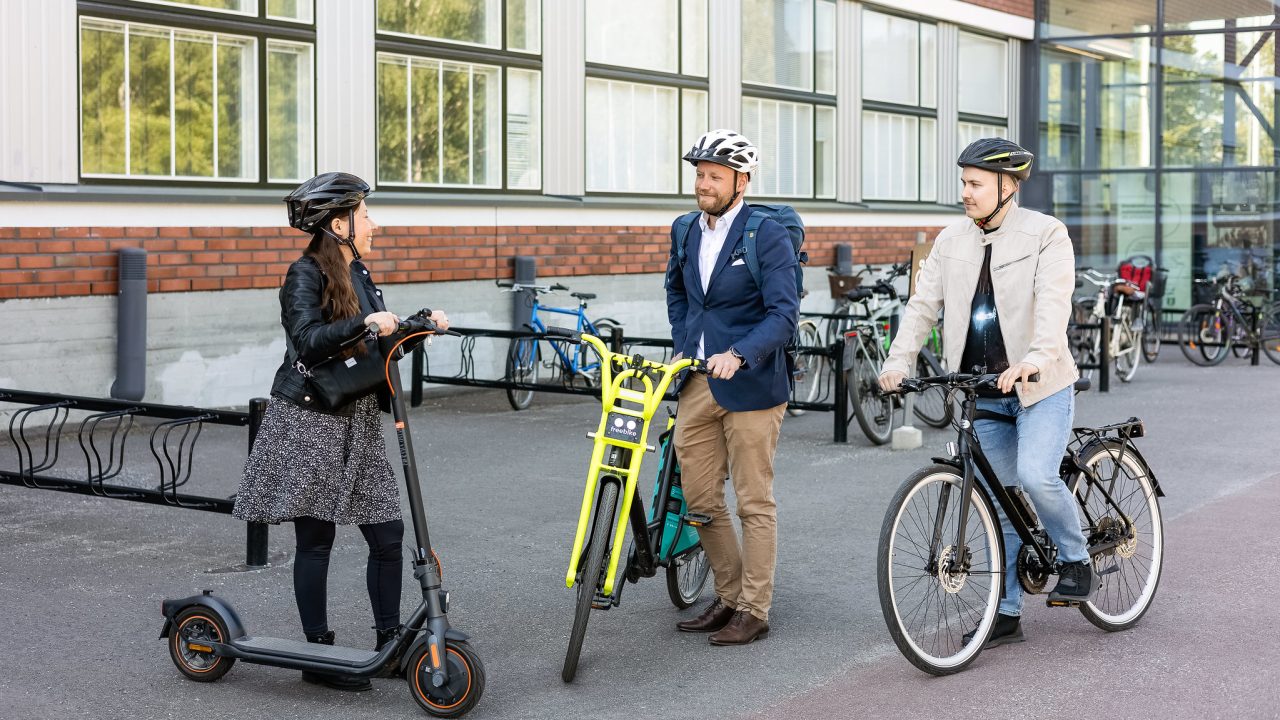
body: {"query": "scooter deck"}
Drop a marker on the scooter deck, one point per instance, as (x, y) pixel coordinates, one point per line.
(312, 651)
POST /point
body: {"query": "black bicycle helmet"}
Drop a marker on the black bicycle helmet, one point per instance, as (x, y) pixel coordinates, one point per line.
(316, 199)
(998, 155)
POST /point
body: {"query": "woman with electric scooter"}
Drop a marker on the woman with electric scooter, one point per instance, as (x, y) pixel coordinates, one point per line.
(319, 459)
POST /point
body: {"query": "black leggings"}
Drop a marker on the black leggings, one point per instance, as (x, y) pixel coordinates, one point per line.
(311, 571)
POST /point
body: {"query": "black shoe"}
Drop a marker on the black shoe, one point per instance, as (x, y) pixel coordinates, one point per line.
(337, 682)
(385, 636)
(1075, 584)
(1008, 630)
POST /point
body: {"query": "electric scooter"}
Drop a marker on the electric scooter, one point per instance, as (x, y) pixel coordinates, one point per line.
(445, 675)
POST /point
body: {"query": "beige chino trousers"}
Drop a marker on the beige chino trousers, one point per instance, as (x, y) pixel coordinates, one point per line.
(713, 444)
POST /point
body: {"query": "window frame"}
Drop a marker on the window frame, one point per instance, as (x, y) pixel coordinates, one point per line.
(441, 50)
(179, 17)
(919, 111)
(678, 81)
(812, 98)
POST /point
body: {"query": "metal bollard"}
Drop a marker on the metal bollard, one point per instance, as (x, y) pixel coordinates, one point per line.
(256, 533)
(841, 399)
(526, 273)
(1104, 356)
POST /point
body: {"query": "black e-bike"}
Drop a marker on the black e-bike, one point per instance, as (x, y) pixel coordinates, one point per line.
(445, 675)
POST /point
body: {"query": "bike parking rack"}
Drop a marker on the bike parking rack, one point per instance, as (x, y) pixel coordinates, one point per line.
(103, 436)
(1103, 365)
(466, 375)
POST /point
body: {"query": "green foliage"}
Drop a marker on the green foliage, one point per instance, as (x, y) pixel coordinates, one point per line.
(459, 20)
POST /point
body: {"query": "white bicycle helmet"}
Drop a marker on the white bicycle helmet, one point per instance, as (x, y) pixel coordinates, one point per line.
(727, 148)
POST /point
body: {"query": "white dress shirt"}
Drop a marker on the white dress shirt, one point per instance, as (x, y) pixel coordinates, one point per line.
(709, 251)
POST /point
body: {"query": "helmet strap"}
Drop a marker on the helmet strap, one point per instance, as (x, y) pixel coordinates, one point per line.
(732, 200)
(350, 240)
(999, 190)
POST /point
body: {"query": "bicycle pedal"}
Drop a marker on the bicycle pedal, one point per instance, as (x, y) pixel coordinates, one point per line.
(600, 602)
(696, 520)
(1063, 603)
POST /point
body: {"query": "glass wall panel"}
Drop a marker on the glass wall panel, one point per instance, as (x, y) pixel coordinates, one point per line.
(1217, 223)
(1202, 15)
(1097, 104)
(1219, 99)
(1062, 18)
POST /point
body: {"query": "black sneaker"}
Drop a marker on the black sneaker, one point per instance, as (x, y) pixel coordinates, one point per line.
(1075, 584)
(1008, 630)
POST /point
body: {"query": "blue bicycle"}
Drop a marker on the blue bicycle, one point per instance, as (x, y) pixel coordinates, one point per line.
(540, 360)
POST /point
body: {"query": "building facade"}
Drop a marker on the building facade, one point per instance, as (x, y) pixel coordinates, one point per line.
(490, 129)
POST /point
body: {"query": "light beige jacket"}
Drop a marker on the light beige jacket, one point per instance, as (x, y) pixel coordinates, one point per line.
(1033, 276)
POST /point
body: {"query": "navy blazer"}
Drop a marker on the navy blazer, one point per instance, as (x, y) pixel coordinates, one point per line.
(756, 320)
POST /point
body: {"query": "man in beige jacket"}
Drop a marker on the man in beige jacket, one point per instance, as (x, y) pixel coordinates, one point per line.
(1004, 277)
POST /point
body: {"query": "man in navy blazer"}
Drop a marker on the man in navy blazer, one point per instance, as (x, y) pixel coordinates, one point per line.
(728, 423)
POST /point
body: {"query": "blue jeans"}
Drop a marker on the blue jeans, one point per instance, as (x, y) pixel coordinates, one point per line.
(1028, 454)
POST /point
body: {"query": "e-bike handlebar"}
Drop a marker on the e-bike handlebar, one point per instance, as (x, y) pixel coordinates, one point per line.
(968, 381)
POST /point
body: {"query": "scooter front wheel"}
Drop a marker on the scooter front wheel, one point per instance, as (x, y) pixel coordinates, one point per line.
(463, 690)
(193, 629)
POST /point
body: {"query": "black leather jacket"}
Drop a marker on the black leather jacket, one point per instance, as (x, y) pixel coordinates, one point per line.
(312, 335)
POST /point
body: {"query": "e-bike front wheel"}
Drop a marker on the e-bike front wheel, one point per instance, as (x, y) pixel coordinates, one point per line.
(591, 574)
(462, 691)
(686, 576)
(932, 592)
(1128, 573)
(1151, 332)
(522, 366)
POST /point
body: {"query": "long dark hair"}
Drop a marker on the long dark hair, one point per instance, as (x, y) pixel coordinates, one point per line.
(338, 300)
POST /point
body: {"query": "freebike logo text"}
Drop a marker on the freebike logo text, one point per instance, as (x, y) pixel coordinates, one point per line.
(623, 427)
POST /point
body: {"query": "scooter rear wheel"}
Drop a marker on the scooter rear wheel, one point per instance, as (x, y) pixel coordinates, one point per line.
(196, 626)
(458, 696)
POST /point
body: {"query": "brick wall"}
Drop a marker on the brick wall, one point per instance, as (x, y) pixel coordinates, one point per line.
(73, 261)
(1025, 8)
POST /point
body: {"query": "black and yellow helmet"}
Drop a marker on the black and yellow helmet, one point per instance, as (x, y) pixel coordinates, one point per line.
(998, 155)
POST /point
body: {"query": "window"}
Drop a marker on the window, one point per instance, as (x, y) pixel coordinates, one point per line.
(449, 118)
(239, 7)
(984, 84)
(295, 10)
(459, 117)
(791, 42)
(177, 103)
(631, 137)
(788, 107)
(900, 100)
(646, 93)
(467, 22)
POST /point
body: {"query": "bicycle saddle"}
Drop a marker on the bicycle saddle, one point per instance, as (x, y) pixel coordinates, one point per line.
(584, 296)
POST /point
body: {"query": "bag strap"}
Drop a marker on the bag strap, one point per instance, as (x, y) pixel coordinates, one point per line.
(754, 220)
(683, 225)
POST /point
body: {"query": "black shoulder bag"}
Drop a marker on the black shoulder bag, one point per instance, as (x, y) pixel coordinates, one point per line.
(339, 381)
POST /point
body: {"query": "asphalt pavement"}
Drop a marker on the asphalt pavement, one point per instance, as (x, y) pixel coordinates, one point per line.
(81, 580)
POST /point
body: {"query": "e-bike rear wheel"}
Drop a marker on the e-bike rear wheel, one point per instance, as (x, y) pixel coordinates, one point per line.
(591, 574)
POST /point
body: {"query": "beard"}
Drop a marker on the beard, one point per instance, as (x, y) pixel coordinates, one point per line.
(712, 202)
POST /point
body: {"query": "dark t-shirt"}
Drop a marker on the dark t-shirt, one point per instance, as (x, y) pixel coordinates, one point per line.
(984, 345)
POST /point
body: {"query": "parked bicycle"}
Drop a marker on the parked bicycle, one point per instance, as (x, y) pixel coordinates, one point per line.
(866, 347)
(1141, 271)
(533, 360)
(941, 558)
(632, 388)
(1209, 331)
(1121, 301)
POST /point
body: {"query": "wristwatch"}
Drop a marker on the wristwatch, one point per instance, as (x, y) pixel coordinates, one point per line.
(741, 360)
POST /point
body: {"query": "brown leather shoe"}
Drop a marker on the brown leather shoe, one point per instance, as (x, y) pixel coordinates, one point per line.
(742, 629)
(716, 616)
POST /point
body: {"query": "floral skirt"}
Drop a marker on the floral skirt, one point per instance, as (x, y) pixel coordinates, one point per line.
(305, 463)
